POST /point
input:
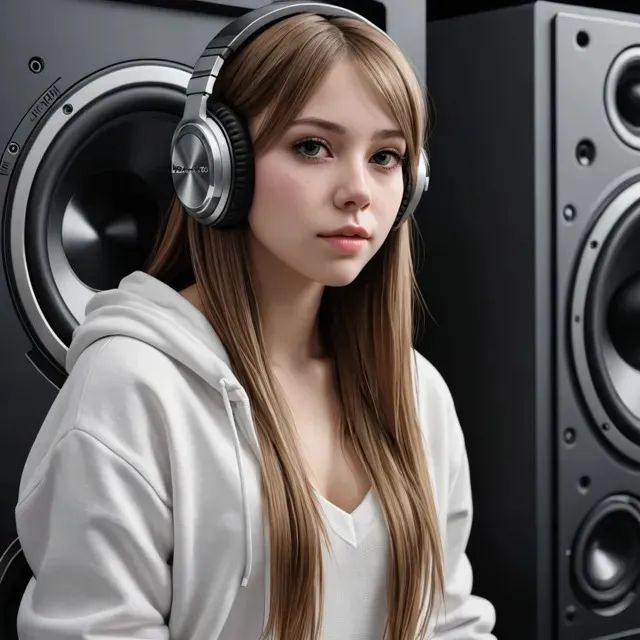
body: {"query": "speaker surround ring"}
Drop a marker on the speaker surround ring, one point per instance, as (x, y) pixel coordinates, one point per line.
(622, 426)
(118, 78)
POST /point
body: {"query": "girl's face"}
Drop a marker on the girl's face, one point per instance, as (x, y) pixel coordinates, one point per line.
(338, 164)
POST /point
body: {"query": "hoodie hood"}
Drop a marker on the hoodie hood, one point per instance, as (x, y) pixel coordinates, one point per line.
(145, 308)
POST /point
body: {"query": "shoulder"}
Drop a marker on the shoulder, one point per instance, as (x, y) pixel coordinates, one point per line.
(120, 381)
(126, 393)
(116, 393)
(127, 370)
(438, 418)
(431, 387)
(122, 359)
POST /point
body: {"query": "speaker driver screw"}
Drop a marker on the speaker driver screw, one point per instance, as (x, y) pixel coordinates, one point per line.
(583, 39)
(586, 152)
(36, 65)
(569, 213)
(14, 147)
(570, 435)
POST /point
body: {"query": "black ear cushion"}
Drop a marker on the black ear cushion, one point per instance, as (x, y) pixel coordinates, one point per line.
(241, 195)
(406, 196)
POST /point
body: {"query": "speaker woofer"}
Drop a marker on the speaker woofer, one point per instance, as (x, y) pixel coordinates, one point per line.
(606, 321)
(606, 554)
(98, 196)
(90, 192)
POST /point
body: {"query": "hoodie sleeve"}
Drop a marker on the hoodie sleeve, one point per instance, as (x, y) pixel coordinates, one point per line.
(466, 616)
(98, 539)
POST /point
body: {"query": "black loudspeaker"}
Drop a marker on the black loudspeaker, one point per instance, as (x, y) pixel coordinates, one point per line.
(531, 274)
(92, 93)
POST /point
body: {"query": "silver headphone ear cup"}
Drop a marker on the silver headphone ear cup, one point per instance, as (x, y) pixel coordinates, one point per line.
(201, 168)
(413, 191)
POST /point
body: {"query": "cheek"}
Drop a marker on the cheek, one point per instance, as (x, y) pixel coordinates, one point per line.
(390, 199)
(280, 190)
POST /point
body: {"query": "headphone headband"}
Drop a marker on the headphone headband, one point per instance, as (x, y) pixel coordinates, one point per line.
(234, 35)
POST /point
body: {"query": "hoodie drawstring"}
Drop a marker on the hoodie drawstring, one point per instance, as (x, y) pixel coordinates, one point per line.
(245, 507)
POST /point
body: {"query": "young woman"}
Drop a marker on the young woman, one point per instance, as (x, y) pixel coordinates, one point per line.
(247, 444)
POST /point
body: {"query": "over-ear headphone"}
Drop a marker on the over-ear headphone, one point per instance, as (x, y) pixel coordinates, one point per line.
(212, 160)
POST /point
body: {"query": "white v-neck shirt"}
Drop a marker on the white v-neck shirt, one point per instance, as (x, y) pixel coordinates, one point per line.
(355, 574)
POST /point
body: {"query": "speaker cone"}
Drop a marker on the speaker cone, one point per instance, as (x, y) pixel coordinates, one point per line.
(606, 554)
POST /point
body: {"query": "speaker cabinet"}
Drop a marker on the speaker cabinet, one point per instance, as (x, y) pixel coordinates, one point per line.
(531, 272)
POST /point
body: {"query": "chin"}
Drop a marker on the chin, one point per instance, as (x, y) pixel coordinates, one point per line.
(339, 277)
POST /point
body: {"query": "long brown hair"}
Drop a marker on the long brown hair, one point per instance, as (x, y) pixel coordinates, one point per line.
(367, 328)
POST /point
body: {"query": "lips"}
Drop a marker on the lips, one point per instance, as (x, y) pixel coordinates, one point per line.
(339, 233)
(344, 235)
(351, 230)
(346, 244)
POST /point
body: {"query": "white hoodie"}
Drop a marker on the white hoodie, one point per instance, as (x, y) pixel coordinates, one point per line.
(139, 505)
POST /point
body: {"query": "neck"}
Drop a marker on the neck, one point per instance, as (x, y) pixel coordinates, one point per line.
(289, 305)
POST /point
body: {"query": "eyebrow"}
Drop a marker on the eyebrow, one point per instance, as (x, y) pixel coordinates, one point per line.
(334, 127)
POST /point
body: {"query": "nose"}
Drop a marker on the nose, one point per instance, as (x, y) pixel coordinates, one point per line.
(353, 192)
